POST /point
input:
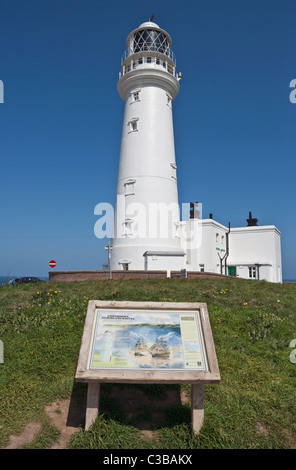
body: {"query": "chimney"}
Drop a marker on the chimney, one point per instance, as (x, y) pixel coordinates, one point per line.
(194, 212)
(251, 221)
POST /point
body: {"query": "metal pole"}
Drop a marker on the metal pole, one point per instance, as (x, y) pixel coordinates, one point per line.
(109, 260)
(109, 248)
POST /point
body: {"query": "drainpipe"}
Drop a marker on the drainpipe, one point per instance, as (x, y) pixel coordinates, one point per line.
(257, 264)
(226, 253)
(227, 248)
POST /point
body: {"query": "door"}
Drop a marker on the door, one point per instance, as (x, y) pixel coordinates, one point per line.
(232, 271)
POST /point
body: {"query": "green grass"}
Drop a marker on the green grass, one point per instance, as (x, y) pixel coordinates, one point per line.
(252, 322)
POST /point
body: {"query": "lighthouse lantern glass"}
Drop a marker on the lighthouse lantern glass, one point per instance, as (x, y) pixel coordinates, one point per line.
(150, 40)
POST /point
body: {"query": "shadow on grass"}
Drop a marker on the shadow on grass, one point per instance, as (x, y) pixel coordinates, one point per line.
(77, 406)
(145, 407)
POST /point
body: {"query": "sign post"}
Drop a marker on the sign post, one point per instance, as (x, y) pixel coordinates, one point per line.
(109, 248)
(147, 342)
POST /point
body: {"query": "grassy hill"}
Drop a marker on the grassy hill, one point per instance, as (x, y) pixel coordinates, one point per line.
(253, 324)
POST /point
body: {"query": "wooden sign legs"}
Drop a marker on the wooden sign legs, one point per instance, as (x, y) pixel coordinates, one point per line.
(92, 404)
(197, 405)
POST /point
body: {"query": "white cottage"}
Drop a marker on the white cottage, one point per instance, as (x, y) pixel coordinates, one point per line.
(251, 252)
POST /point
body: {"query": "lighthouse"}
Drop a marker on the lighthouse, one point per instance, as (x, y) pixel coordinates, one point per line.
(147, 217)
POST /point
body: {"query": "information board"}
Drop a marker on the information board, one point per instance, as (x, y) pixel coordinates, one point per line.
(145, 343)
(157, 340)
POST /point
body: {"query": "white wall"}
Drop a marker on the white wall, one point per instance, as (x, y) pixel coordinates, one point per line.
(147, 157)
(259, 245)
(204, 247)
(248, 247)
(164, 263)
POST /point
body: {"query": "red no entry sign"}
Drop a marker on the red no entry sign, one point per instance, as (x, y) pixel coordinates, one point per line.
(52, 263)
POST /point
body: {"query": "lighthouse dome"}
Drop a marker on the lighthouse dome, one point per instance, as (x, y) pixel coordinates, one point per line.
(148, 24)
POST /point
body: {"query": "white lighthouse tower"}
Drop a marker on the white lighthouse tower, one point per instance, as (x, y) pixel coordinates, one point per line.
(146, 227)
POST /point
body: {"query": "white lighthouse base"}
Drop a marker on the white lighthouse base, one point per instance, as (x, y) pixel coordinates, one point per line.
(139, 258)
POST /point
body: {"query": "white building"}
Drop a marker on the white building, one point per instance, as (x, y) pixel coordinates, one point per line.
(250, 252)
(148, 233)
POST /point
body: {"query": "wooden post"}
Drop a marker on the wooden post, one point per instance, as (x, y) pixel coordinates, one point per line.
(92, 404)
(197, 407)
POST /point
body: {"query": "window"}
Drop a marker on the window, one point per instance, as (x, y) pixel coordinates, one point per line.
(157, 61)
(202, 268)
(217, 238)
(222, 240)
(133, 125)
(148, 60)
(252, 272)
(129, 187)
(125, 266)
(173, 171)
(127, 227)
(150, 40)
(135, 96)
(140, 61)
(169, 100)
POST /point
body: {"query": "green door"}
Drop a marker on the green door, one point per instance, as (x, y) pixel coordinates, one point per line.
(232, 271)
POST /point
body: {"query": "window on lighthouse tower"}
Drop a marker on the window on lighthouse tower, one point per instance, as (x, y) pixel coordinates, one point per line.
(129, 187)
(135, 96)
(133, 125)
(169, 100)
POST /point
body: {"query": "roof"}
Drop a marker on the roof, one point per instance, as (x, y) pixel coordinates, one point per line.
(148, 24)
(164, 253)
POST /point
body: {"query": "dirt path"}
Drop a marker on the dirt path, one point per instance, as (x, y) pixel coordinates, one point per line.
(58, 412)
(69, 415)
(28, 435)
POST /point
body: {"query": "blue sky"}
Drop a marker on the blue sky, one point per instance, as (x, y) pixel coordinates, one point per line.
(60, 123)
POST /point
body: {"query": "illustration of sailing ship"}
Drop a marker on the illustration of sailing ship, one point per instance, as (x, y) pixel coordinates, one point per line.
(141, 348)
(160, 349)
